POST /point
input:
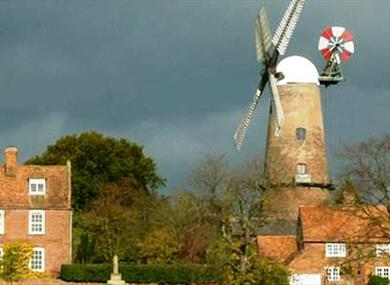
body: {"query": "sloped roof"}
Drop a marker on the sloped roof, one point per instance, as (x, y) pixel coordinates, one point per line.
(279, 248)
(14, 190)
(343, 223)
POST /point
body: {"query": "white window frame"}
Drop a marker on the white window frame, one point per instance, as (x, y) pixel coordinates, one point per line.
(383, 271)
(34, 186)
(33, 224)
(382, 249)
(2, 222)
(40, 268)
(1, 253)
(332, 273)
(335, 250)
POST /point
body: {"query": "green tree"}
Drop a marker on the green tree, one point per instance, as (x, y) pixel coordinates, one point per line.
(160, 246)
(98, 160)
(117, 220)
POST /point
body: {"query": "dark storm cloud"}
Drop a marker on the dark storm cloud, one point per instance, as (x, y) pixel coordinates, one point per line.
(175, 76)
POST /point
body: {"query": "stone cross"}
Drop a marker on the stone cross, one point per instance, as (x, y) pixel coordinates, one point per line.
(115, 263)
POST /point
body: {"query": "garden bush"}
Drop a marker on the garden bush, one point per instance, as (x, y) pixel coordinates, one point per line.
(377, 280)
(163, 274)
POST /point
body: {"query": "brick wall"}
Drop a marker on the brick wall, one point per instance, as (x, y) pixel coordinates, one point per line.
(55, 240)
(302, 109)
(284, 203)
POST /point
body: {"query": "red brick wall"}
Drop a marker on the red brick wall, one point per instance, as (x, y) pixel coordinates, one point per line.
(284, 203)
(302, 108)
(55, 241)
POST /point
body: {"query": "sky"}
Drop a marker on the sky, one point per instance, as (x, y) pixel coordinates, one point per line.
(175, 76)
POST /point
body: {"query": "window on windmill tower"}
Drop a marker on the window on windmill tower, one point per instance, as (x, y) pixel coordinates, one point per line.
(301, 168)
(300, 134)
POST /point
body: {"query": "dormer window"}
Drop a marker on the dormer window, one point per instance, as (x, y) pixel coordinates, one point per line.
(335, 250)
(37, 186)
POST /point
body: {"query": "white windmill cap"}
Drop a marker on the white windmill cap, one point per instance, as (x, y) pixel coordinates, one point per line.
(297, 69)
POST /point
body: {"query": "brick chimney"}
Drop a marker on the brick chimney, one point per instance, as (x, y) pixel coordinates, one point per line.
(11, 161)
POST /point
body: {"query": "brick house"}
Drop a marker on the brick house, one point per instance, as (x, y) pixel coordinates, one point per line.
(333, 245)
(35, 206)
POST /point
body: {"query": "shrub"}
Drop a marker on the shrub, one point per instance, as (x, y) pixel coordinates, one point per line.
(169, 274)
(377, 280)
(16, 258)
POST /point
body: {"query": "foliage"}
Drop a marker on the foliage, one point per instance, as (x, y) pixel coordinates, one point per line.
(97, 160)
(246, 268)
(15, 262)
(159, 247)
(258, 271)
(377, 280)
(120, 209)
(272, 273)
(233, 199)
(16, 259)
(168, 274)
(194, 230)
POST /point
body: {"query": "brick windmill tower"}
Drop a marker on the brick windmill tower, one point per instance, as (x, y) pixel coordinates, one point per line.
(296, 164)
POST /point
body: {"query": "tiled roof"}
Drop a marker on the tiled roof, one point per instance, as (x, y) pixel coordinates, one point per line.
(14, 189)
(343, 223)
(279, 248)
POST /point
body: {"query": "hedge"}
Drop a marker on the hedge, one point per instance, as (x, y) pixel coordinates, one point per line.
(377, 280)
(162, 274)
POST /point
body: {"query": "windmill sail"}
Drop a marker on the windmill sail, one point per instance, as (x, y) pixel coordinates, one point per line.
(239, 135)
(279, 115)
(269, 60)
(263, 36)
(287, 25)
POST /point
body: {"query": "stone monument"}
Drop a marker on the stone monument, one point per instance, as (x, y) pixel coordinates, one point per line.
(116, 277)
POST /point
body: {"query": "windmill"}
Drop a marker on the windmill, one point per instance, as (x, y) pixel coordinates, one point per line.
(336, 45)
(268, 51)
